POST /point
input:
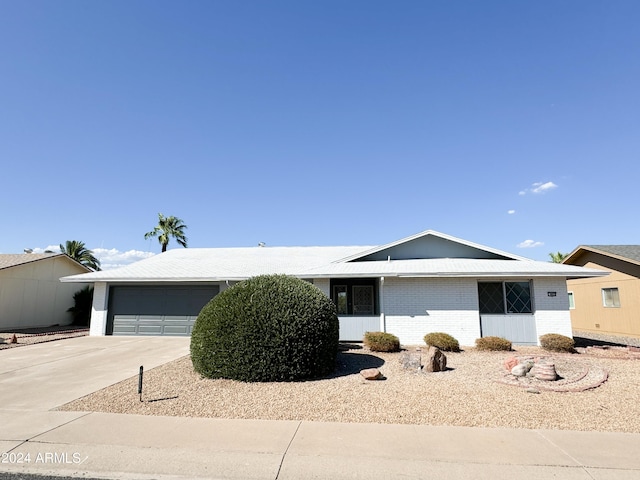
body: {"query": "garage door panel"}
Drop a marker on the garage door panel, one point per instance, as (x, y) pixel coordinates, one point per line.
(149, 329)
(176, 330)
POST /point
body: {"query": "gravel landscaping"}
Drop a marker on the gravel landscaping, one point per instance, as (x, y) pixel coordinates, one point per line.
(40, 335)
(598, 390)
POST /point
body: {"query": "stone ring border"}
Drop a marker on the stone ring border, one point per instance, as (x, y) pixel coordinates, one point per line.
(567, 385)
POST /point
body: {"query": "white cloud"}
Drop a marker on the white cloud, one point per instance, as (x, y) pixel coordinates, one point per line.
(109, 258)
(543, 187)
(50, 248)
(113, 258)
(511, 212)
(538, 188)
(530, 244)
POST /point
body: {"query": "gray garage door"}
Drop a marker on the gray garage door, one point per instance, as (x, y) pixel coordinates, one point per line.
(156, 310)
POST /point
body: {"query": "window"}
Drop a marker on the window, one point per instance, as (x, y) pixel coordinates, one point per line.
(504, 297)
(340, 298)
(572, 302)
(610, 297)
(355, 296)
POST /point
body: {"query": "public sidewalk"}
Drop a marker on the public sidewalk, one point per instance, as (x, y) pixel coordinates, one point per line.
(35, 379)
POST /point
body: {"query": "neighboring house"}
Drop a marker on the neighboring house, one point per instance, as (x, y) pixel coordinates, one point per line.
(606, 305)
(31, 294)
(424, 283)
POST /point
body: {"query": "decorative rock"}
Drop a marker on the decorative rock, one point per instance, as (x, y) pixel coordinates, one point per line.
(436, 360)
(411, 360)
(371, 374)
(533, 390)
(510, 362)
(546, 371)
(520, 370)
(14, 339)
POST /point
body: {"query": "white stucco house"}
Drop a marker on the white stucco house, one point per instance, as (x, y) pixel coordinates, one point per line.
(429, 282)
(31, 294)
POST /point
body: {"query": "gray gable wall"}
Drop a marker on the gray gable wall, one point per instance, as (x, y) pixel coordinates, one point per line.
(430, 246)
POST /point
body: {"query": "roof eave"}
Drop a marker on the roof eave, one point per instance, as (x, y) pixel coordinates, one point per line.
(584, 248)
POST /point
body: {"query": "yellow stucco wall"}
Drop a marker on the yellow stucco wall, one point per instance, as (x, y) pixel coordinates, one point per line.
(590, 314)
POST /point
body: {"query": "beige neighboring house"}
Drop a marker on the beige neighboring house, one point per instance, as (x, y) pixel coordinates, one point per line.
(607, 305)
(31, 294)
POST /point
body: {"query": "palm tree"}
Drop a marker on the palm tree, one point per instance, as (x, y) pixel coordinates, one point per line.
(80, 254)
(168, 227)
(558, 257)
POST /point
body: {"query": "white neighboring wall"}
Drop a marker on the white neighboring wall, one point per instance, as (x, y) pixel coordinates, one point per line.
(31, 294)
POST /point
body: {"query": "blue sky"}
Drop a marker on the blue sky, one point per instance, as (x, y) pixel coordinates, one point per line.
(511, 124)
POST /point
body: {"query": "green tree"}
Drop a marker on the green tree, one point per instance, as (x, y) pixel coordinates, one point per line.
(558, 257)
(168, 227)
(80, 254)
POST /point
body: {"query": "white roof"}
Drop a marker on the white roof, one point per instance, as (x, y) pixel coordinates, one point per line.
(215, 264)
(453, 267)
(220, 264)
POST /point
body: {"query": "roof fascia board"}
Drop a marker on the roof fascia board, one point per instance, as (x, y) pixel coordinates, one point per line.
(53, 255)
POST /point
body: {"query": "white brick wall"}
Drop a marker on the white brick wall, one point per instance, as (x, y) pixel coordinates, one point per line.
(323, 284)
(414, 307)
(552, 313)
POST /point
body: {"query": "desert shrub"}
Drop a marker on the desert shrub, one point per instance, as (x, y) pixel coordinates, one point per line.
(381, 342)
(493, 344)
(557, 343)
(82, 302)
(443, 341)
(267, 328)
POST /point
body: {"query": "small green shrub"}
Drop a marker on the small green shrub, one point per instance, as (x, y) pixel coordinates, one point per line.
(493, 344)
(381, 342)
(557, 343)
(443, 341)
(265, 329)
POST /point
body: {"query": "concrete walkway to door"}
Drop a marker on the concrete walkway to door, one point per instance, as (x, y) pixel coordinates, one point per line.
(35, 439)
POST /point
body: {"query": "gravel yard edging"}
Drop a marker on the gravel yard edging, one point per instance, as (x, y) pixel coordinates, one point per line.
(39, 336)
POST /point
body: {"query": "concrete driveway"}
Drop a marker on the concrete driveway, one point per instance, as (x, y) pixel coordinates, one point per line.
(35, 439)
(46, 375)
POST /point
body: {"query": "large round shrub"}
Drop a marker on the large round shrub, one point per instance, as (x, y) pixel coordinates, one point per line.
(267, 328)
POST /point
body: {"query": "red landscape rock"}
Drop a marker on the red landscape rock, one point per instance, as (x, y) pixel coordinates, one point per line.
(510, 362)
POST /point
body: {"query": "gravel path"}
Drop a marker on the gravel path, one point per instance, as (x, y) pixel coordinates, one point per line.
(472, 392)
